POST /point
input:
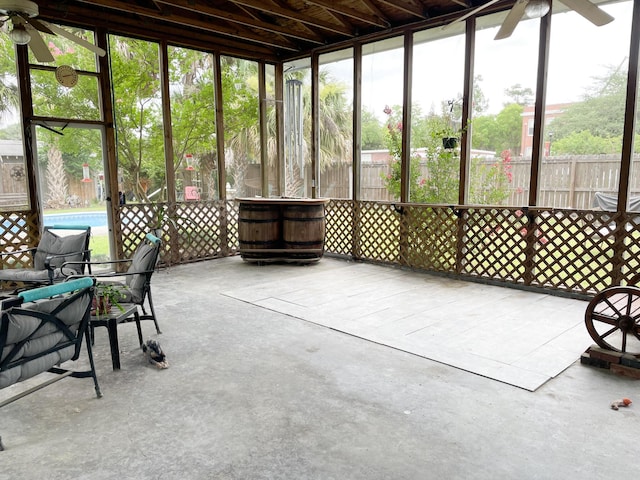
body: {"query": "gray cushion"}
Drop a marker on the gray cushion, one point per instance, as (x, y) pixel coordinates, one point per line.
(52, 244)
(24, 275)
(21, 326)
(143, 260)
(32, 275)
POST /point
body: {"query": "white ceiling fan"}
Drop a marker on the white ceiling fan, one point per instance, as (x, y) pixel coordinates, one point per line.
(24, 29)
(539, 8)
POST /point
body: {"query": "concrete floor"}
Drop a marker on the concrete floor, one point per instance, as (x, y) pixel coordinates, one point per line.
(253, 393)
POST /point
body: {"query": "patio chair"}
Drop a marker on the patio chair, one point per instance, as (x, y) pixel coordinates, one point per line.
(135, 283)
(47, 258)
(42, 328)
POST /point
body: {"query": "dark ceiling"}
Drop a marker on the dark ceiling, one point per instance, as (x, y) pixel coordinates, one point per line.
(273, 30)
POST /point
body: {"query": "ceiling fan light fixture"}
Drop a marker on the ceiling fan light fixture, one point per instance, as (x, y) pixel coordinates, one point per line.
(536, 8)
(19, 35)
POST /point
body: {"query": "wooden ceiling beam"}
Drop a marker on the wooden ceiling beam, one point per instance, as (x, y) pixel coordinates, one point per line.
(274, 9)
(351, 13)
(193, 21)
(122, 24)
(375, 10)
(406, 7)
(242, 20)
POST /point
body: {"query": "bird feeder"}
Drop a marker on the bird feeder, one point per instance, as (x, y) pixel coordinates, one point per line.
(85, 173)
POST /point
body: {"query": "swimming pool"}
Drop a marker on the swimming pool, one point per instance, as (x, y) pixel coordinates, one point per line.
(92, 219)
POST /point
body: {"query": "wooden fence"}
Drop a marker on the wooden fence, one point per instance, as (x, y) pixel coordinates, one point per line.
(565, 181)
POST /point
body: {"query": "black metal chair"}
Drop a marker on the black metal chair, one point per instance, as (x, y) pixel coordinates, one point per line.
(134, 284)
(42, 328)
(52, 252)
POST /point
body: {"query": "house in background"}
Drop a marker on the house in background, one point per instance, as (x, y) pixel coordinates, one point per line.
(12, 173)
(551, 111)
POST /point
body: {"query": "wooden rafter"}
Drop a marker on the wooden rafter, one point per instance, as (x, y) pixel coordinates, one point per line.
(149, 29)
(270, 29)
(330, 5)
(407, 7)
(246, 20)
(188, 19)
(294, 15)
(375, 10)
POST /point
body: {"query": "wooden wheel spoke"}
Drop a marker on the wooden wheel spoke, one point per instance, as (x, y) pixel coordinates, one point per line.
(601, 317)
(609, 332)
(613, 307)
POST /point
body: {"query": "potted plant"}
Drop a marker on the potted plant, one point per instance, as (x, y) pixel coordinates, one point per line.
(106, 296)
(450, 134)
(449, 142)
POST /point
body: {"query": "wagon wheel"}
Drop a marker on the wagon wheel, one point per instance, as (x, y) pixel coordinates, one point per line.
(613, 319)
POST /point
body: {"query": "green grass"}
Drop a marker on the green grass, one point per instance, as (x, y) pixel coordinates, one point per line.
(99, 245)
(90, 208)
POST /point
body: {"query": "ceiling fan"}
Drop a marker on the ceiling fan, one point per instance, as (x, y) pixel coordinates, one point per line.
(539, 8)
(25, 29)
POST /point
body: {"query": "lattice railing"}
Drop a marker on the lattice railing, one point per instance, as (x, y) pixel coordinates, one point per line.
(200, 233)
(573, 251)
(190, 231)
(376, 232)
(580, 252)
(339, 215)
(18, 231)
(431, 238)
(493, 243)
(565, 250)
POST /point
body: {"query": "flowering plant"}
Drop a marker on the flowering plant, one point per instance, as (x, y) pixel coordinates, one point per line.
(433, 170)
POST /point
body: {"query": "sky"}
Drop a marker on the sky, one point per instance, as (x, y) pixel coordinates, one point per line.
(579, 51)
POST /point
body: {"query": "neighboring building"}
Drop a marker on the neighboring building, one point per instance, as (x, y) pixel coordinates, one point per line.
(13, 185)
(551, 112)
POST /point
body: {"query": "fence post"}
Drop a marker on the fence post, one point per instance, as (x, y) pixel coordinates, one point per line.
(572, 183)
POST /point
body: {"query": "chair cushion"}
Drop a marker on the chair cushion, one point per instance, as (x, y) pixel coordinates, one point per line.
(41, 339)
(143, 260)
(25, 275)
(29, 275)
(52, 244)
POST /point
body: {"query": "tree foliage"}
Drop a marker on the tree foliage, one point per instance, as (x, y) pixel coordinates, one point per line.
(137, 108)
(9, 95)
(595, 124)
(518, 94)
(373, 132)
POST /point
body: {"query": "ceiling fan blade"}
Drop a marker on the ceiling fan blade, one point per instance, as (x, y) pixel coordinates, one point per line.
(471, 13)
(38, 25)
(513, 18)
(37, 45)
(588, 10)
(21, 18)
(74, 38)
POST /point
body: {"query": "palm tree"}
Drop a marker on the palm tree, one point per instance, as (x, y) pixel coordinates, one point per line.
(9, 96)
(335, 134)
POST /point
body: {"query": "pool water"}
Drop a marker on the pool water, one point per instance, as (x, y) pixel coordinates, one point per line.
(92, 219)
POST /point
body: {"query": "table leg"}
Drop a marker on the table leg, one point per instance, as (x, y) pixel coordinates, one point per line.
(112, 327)
(136, 316)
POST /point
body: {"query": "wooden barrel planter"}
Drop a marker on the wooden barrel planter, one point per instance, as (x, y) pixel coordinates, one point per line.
(281, 229)
(303, 231)
(259, 229)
